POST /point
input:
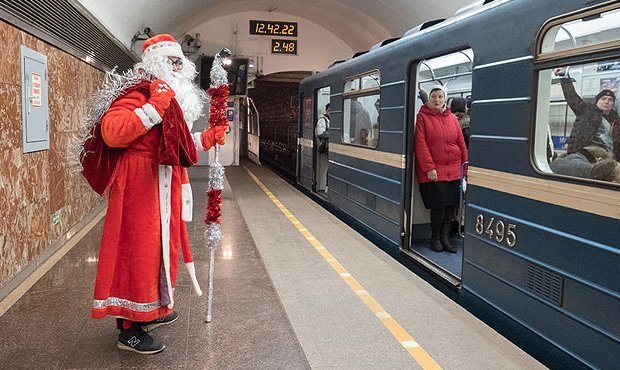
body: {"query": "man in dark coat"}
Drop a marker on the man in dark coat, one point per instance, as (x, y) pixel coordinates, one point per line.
(595, 123)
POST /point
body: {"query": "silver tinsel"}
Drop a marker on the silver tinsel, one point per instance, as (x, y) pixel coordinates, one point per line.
(219, 76)
(216, 176)
(213, 235)
(114, 86)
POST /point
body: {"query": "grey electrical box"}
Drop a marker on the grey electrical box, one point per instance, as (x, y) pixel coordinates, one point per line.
(35, 107)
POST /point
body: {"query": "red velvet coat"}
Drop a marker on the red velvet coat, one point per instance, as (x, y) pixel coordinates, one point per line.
(130, 274)
(439, 145)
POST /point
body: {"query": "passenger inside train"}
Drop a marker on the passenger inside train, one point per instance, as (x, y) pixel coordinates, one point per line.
(594, 121)
(458, 107)
(360, 110)
(454, 71)
(589, 93)
(360, 119)
(322, 139)
(374, 133)
(439, 170)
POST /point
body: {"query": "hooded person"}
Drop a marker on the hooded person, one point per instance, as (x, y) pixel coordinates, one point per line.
(595, 123)
(143, 136)
(458, 107)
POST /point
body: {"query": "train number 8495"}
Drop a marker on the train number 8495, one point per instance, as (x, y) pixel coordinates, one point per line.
(496, 229)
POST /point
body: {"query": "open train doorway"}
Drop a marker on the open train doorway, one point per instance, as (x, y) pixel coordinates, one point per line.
(454, 73)
(252, 132)
(321, 141)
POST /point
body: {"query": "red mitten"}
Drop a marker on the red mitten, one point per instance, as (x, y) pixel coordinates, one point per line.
(220, 134)
(161, 96)
(214, 135)
(208, 139)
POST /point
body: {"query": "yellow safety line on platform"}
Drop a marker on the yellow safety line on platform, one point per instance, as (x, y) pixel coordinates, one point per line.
(411, 345)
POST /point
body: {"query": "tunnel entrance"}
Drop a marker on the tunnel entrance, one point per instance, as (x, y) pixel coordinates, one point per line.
(276, 100)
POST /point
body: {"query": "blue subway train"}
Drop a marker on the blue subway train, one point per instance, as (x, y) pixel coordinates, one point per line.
(538, 248)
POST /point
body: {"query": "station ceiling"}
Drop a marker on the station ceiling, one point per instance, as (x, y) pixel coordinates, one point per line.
(359, 23)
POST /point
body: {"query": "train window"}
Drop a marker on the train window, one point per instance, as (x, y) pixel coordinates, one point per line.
(452, 71)
(361, 104)
(352, 85)
(362, 82)
(588, 32)
(577, 127)
(370, 81)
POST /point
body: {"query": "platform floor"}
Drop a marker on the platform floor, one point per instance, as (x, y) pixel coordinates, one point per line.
(294, 288)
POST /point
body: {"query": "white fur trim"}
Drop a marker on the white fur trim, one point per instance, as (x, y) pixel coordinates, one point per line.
(188, 202)
(150, 110)
(163, 49)
(144, 118)
(165, 184)
(191, 270)
(443, 88)
(198, 140)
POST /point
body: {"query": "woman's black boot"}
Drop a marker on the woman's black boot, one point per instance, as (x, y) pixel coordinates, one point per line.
(445, 237)
(436, 245)
(435, 232)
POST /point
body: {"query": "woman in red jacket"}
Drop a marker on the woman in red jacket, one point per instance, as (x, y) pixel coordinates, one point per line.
(440, 153)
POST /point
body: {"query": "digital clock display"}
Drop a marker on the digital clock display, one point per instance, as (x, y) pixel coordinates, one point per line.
(283, 46)
(273, 28)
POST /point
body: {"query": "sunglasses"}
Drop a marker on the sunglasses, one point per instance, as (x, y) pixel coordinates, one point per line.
(176, 62)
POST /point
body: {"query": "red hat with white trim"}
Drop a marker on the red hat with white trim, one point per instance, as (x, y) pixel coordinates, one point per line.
(162, 45)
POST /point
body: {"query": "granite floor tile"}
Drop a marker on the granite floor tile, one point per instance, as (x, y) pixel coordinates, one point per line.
(50, 326)
(43, 318)
(50, 357)
(238, 348)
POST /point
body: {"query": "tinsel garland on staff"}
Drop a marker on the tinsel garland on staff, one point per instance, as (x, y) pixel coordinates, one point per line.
(218, 124)
(218, 91)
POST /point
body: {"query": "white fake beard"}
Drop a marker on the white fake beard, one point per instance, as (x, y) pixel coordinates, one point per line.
(189, 96)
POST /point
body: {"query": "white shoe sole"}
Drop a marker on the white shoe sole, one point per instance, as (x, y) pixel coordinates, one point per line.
(124, 347)
(158, 324)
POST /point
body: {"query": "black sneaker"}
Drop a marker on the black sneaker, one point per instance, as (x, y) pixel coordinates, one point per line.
(169, 319)
(138, 341)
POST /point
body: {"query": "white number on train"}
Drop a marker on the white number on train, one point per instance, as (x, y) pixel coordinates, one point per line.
(496, 229)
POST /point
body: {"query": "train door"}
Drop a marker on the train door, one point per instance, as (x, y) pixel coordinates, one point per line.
(253, 132)
(305, 158)
(453, 71)
(320, 135)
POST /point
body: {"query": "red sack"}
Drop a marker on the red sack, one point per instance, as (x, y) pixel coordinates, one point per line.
(99, 161)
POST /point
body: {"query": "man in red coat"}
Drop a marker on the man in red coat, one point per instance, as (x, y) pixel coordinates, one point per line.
(146, 130)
